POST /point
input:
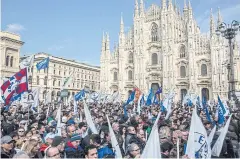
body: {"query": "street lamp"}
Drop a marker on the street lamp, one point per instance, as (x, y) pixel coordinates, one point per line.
(229, 32)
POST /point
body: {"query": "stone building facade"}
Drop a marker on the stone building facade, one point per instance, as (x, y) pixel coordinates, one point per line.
(165, 48)
(10, 46)
(51, 79)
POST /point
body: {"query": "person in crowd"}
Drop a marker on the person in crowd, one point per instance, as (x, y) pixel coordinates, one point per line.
(7, 149)
(31, 147)
(91, 152)
(133, 151)
(73, 148)
(58, 142)
(53, 152)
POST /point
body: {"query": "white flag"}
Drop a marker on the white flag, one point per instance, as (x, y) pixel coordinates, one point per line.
(89, 119)
(198, 143)
(75, 107)
(152, 148)
(217, 148)
(48, 98)
(139, 104)
(59, 130)
(114, 141)
(27, 62)
(33, 98)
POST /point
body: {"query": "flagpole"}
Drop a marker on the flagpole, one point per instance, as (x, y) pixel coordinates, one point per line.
(32, 77)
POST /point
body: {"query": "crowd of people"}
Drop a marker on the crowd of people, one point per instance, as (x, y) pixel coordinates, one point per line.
(28, 135)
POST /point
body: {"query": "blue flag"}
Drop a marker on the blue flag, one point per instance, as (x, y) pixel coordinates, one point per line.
(43, 64)
(204, 103)
(155, 99)
(220, 109)
(159, 90)
(149, 99)
(79, 95)
(131, 97)
(162, 108)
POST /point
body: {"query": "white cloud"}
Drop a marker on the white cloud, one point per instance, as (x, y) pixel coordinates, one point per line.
(227, 14)
(55, 47)
(15, 28)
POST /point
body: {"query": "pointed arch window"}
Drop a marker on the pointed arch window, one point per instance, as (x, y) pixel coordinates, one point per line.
(154, 59)
(204, 70)
(130, 75)
(130, 57)
(154, 32)
(182, 72)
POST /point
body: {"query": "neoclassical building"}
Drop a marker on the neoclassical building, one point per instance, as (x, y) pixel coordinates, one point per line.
(165, 47)
(10, 46)
(51, 79)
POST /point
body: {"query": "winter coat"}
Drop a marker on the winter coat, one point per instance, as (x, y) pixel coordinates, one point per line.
(103, 151)
(7, 155)
(72, 152)
(7, 128)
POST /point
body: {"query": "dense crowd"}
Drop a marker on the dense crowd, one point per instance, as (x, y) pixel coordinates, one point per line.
(28, 135)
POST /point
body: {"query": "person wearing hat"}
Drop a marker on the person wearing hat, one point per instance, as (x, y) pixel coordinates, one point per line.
(58, 142)
(73, 148)
(7, 150)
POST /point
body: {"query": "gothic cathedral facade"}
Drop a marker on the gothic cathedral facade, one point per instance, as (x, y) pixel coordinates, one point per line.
(165, 48)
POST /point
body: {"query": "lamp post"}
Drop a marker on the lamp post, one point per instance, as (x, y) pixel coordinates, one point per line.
(229, 31)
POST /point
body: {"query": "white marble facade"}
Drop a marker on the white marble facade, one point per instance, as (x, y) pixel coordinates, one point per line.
(165, 48)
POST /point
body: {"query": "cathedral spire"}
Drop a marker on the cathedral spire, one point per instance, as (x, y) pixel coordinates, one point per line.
(170, 5)
(164, 4)
(121, 25)
(141, 8)
(219, 21)
(136, 9)
(107, 42)
(185, 5)
(212, 27)
(189, 4)
(103, 43)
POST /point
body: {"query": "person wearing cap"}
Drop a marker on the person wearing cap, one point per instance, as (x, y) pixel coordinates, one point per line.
(58, 142)
(73, 148)
(7, 149)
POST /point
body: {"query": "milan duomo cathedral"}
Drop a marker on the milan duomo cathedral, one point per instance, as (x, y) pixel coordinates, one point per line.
(165, 48)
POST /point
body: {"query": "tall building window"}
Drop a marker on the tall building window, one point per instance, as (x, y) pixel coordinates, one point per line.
(7, 60)
(59, 72)
(32, 69)
(59, 83)
(154, 59)
(130, 75)
(11, 61)
(30, 79)
(182, 71)
(45, 70)
(37, 80)
(54, 82)
(154, 32)
(45, 80)
(115, 78)
(204, 70)
(130, 57)
(182, 51)
(54, 71)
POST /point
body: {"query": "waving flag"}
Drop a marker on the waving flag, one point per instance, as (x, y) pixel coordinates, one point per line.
(27, 62)
(137, 94)
(16, 85)
(204, 104)
(159, 90)
(220, 111)
(80, 95)
(149, 98)
(67, 81)
(140, 103)
(43, 64)
(131, 97)
(198, 145)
